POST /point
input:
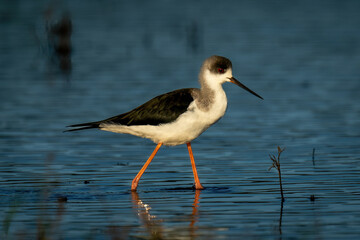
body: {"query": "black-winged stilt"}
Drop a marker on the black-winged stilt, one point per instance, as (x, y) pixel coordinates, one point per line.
(176, 117)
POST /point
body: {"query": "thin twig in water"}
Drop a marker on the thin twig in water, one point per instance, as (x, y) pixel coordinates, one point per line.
(276, 164)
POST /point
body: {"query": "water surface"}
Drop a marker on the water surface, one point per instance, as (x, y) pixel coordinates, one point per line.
(302, 57)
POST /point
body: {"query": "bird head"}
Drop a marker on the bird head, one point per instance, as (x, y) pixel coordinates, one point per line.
(217, 70)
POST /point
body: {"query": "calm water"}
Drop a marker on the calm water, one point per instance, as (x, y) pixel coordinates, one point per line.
(303, 57)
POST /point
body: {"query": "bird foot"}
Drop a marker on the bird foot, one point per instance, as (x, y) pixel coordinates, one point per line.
(197, 187)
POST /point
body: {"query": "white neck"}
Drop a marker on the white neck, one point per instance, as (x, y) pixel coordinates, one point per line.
(211, 93)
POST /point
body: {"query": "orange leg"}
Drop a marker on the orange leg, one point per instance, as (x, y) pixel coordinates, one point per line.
(196, 178)
(141, 172)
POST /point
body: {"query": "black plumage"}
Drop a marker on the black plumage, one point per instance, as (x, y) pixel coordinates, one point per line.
(162, 109)
(220, 63)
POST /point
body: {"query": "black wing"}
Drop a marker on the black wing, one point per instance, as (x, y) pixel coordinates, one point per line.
(161, 109)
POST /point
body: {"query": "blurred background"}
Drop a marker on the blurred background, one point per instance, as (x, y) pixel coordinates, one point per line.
(67, 62)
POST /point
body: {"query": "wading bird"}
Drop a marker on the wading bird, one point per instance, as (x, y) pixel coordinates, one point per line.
(177, 117)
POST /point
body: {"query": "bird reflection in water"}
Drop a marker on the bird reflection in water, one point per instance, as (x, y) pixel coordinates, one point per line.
(153, 224)
(194, 214)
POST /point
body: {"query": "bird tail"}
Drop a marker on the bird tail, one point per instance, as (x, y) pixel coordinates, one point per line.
(83, 126)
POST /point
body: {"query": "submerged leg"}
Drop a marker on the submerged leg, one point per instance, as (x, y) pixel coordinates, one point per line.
(196, 178)
(138, 176)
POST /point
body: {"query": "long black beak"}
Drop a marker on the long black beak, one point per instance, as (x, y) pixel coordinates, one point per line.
(233, 80)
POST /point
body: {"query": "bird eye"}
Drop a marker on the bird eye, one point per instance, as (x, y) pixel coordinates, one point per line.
(221, 70)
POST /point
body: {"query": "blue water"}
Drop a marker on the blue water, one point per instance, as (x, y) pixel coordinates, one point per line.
(301, 56)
